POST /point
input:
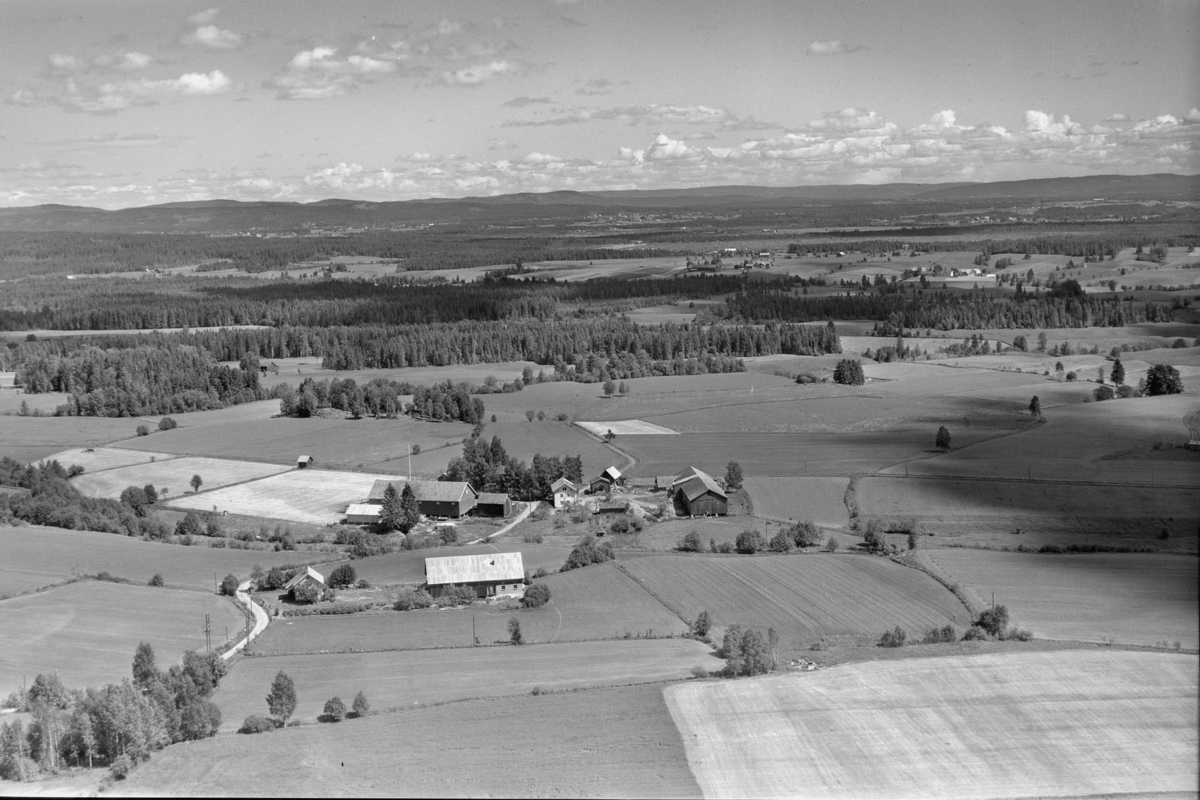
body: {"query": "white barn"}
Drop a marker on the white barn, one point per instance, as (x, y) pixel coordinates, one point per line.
(489, 574)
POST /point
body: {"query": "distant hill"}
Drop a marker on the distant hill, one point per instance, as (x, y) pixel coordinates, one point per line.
(232, 215)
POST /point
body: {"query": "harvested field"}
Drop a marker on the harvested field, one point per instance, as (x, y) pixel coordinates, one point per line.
(1077, 722)
(315, 496)
(464, 750)
(624, 427)
(1129, 598)
(408, 566)
(600, 602)
(96, 459)
(821, 500)
(36, 557)
(410, 677)
(31, 439)
(88, 631)
(174, 474)
(803, 597)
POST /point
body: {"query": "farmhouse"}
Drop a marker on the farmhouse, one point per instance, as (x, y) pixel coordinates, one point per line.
(564, 492)
(488, 574)
(699, 494)
(451, 499)
(308, 577)
(303, 462)
(493, 504)
(362, 514)
(610, 477)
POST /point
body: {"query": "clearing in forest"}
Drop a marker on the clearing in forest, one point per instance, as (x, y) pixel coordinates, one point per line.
(1070, 722)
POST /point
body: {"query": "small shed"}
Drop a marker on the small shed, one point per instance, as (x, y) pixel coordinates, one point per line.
(309, 576)
(612, 508)
(488, 574)
(362, 514)
(564, 492)
(700, 495)
(610, 477)
(662, 483)
(303, 462)
(493, 504)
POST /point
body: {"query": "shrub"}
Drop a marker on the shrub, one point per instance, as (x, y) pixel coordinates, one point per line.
(166, 424)
(807, 377)
(749, 542)
(1102, 393)
(893, 638)
(342, 576)
(940, 635)
(257, 724)
(413, 598)
(532, 538)
(142, 430)
(1020, 634)
(229, 585)
(874, 537)
(701, 625)
(514, 631)
(1072, 376)
(725, 547)
(587, 552)
(363, 583)
(994, 620)
(690, 543)
(536, 595)
(780, 543)
(335, 710)
(832, 545)
(699, 672)
(121, 767)
(540, 572)
(157, 580)
(974, 633)
(361, 706)
(306, 592)
(457, 596)
(805, 534)
(448, 534)
(626, 524)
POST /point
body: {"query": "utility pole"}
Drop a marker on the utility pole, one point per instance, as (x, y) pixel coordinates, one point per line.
(207, 636)
(409, 446)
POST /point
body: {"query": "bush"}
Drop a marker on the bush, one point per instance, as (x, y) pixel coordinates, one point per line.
(121, 767)
(807, 377)
(413, 598)
(749, 542)
(361, 706)
(626, 524)
(342, 576)
(536, 596)
(805, 534)
(142, 430)
(690, 543)
(940, 635)
(1102, 393)
(701, 625)
(1072, 376)
(457, 596)
(832, 545)
(257, 724)
(893, 638)
(229, 585)
(447, 534)
(874, 538)
(307, 592)
(1020, 634)
(587, 552)
(514, 631)
(699, 672)
(974, 633)
(540, 572)
(157, 580)
(335, 710)
(725, 547)
(166, 424)
(780, 543)
(994, 620)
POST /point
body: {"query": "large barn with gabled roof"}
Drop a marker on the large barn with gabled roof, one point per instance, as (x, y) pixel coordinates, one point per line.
(488, 574)
(451, 499)
(699, 495)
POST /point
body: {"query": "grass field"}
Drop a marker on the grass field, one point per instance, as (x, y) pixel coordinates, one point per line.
(36, 557)
(1069, 723)
(96, 459)
(315, 496)
(518, 746)
(410, 677)
(624, 427)
(408, 566)
(1134, 598)
(296, 370)
(803, 597)
(31, 439)
(88, 631)
(174, 474)
(821, 500)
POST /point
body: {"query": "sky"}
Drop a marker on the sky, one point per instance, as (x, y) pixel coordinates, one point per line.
(119, 103)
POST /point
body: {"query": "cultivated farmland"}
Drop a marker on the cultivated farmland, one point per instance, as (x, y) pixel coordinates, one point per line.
(624, 427)
(409, 677)
(631, 744)
(1138, 599)
(1076, 722)
(97, 459)
(174, 474)
(32, 439)
(314, 496)
(36, 557)
(88, 631)
(821, 500)
(408, 566)
(803, 597)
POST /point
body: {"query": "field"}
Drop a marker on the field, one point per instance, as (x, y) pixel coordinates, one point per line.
(821, 500)
(315, 496)
(36, 557)
(596, 603)
(1139, 599)
(88, 631)
(97, 459)
(408, 566)
(532, 747)
(411, 677)
(1071, 723)
(803, 597)
(295, 370)
(175, 475)
(31, 439)
(624, 427)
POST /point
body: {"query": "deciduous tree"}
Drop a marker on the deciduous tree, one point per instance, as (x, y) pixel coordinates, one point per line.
(281, 701)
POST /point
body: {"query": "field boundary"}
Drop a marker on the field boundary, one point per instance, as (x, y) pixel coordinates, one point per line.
(650, 591)
(982, 479)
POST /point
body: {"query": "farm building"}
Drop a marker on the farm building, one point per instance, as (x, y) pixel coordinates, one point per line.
(615, 507)
(493, 504)
(699, 495)
(303, 462)
(564, 492)
(362, 514)
(662, 483)
(309, 576)
(488, 574)
(610, 477)
(434, 498)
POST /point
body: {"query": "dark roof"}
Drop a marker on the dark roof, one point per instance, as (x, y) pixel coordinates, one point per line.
(431, 491)
(699, 484)
(299, 577)
(487, 498)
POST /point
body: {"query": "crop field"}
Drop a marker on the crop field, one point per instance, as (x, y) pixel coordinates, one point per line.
(315, 496)
(407, 567)
(625, 427)
(821, 500)
(36, 557)
(365, 443)
(410, 677)
(31, 439)
(1077, 722)
(803, 597)
(466, 749)
(88, 631)
(174, 474)
(1129, 598)
(600, 602)
(96, 459)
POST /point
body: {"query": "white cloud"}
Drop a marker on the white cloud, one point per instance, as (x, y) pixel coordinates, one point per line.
(1117, 118)
(477, 74)
(318, 73)
(205, 34)
(203, 17)
(1193, 115)
(831, 47)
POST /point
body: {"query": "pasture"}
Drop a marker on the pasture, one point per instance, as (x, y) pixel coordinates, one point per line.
(467, 749)
(35, 557)
(407, 567)
(314, 496)
(97, 459)
(32, 439)
(296, 370)
(174, 474)
(412, 677)
(820, 500)
(88, 631)
(1076, 722)
(803, 597)
(1139, 599)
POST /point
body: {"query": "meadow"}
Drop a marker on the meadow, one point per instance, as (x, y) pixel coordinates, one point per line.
(97, 459)
(803, 597)
(1139, 599)
(35, 557)
(630, 748)
(413, 677)
(175, 475)
(818, 500)
(1076, 723)
(407, 567)
(32, 439)
(315, 496)
(296, 370)
(87, 632)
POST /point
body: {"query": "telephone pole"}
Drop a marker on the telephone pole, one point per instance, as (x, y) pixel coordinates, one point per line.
(207, 636)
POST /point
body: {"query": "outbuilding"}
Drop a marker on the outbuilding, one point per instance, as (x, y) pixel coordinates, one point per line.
(699, 495)
(450, 499)
(304, 462)
(362, 514)
(487, 574)
(309, 577)
(493, 504)
(610, 477)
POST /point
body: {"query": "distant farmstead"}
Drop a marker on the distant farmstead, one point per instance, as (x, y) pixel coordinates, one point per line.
(488, 574)
(450, 499)
(699, 495)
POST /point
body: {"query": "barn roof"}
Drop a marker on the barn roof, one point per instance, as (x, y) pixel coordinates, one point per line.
(380, 486)
(362, 510)
(563, 483)
(612, 473)
(432, 491)
(699, 484)
(299, 577)
(474, 569)
(305, 458)
(486, 498)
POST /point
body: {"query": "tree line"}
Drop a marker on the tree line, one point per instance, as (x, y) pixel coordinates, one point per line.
(489, 468)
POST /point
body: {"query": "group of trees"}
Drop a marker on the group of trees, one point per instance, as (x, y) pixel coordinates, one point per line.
(489, 468)
(381, 397)
(747, 652)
